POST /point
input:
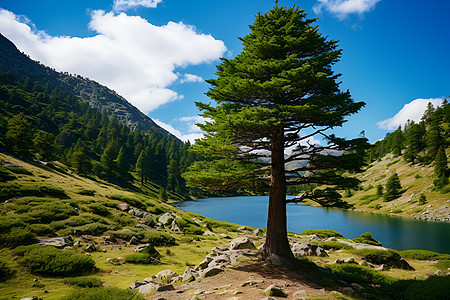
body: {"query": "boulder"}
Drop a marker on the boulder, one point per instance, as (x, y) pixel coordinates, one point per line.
(209, 233)
(109, 239)
(134, 240)
(166, 275)
(148, 288)
(167, 218)
(188, 275)
(164, 288)
(242, 243)
(136, 212)
(91, 248)
(242, 228)
(383, 268)
(136, 284)
(305, 249)
(211, 271)
(204, 264)
(175, 228)
(402, 264)
(123, 206)
(300, 294)
(275, 290)
(58, 242)
(258, 232)
(224, 236)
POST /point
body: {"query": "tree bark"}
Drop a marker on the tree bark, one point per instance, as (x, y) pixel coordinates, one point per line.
(277, 248)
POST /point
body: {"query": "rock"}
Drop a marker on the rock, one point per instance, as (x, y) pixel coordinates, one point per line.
(123, 206)
(347, 290)
(136, 212)
(166, 275)
(175, 228)
(224, 236)
(167, 287)
(147, 288)
(187, 276)
(403, 264)
(151, 279)
(116, 260)
(148, 248)
(204, 264)
(207, 226)
(109, 239)
(382, 268)
(209, 233)
(211, 271)
(91, 248)
(148, 220)
(252, 282)
(349, 260)
(77, 244)
(167, 218)
(305, 249)
(439, 273)
(32, 298)
(242, 228)
(258, 232)
(136, 284)
(242, 243)
(58, 242)
(134, 240)
(339, 261)
(275, 290)
(300, 294)
(220, 260)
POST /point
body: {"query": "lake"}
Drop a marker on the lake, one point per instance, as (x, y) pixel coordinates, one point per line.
(393, 232)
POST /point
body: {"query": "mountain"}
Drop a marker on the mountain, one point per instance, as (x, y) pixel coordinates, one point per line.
(85, 90)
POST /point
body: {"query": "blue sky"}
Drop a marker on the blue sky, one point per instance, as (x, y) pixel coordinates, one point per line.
(157, 53)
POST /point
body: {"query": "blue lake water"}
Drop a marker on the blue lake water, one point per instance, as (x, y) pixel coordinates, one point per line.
(393, 232)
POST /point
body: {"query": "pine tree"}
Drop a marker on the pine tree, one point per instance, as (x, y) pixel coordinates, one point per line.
(140, 167)
(107, 160)
(122, 166)
(393, 188)
(19, 135)
(163, 195)
(277, 93)
(440, 169)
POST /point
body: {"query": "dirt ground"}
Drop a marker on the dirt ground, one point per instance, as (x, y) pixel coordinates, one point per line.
(244, 281)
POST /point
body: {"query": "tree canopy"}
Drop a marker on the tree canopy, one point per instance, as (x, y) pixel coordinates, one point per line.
(270, 101)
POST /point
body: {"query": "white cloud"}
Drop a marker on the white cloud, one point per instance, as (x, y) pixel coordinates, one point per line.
(190, 123)
(412, 111)
(191, 78)
(123, 5)
(128, 54)
(184, 137)
(342, 8)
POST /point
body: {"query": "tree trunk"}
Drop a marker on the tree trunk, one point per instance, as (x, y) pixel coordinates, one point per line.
(277, 248)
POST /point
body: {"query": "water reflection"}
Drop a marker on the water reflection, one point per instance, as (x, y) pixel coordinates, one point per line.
(393, 232)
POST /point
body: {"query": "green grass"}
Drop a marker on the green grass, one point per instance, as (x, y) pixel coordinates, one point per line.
(322, 233)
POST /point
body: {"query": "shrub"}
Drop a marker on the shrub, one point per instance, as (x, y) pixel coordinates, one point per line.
(423, 255)
(332, 245)
(48, 260)
(379, 257)
(124, 233)
(95, 229)
(8, 191)
(85, 192)
(101, 293)
(422, 199)
(397, 211)
(41, 229)
(98, 209)
(86, 282)
(130, 200)
(157, 238)
(322, 233)
(19, 170)
(435, 287)
(359, 274)
(5, 175)
(51, 211)
(17, 236)
(444, 264)
(5, 271)
(367, 238)
(189, 227)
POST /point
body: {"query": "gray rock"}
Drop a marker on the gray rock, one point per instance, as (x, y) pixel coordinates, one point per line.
(439, 273)
(306, 249)
(167, 218)
(209, 233)
(242, 243)
(242, 228)
(147, 288)
(349, 260)
(346, 290)
(258, 232)
(109, 239)
(207, 226)
(211, 271)
(166, 275)
(204, 264)
(382, 268)
(188, 275)
(136, 212)
(167, 287)
(300, 294)
(252, 282)
(175, 228)
(58, 242)
(136, 284)
(123, 206)
(339, 261)
(224, 236)
(275, 290)
(91, 248)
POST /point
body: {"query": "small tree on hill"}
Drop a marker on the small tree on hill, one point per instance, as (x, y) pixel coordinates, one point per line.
(393, 188)
(278, 93)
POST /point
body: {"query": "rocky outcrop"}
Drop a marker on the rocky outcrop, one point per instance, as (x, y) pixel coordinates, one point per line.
(304, 249)
(58, 242)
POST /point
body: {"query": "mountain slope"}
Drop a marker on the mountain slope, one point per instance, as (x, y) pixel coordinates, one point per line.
(86, 90)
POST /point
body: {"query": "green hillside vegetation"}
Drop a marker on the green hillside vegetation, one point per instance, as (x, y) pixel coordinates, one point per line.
(37, 122)
(408, 170)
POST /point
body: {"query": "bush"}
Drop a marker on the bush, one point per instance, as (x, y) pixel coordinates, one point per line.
(130, 200)
(422, 199)
(435, 287)
(332, 245)
(48, 260)
(86, 282)
(95, 229)
(367, 238)
(359, 274)
(379, 257)
(5, 175)
(98, 209)
(101, 293)
(322, 233)
(19, 170)
(423, 255)
(189, 227)
(41, 229)
(85, 192)
(8, 191)
(157, 238)
(124, 233)
(51, 211)
(443, 265)
(17, 236)
(5, 271)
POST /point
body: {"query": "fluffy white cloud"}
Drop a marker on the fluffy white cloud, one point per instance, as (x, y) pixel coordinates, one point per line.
(122, 5)
(192, 136)
(128, 54)
(342, 8)
(191, 78)
(412, 111)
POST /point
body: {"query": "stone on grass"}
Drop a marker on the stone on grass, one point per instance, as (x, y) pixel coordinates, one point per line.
(211, 271)
(306, 249)
(91, 248)
(258, 232)
(166, 275)
(299, 294)
(242, 243)
(188, 275)
(136, 284)
(275, 290)
(167, 218)
(167, 287)
(147, 288)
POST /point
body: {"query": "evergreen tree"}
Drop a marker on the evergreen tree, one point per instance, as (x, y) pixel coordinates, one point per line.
(440, 169)
(280, 85)
(379, 190)
(19, 135)
(433, 140)
(414, 142)
(163, 195)
(122, 166)
(80, 162)
(107, 160)
(393, 188)
(140, 167)
(43, 143)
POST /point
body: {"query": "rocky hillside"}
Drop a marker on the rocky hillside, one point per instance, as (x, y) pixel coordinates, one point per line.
(86, 90)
